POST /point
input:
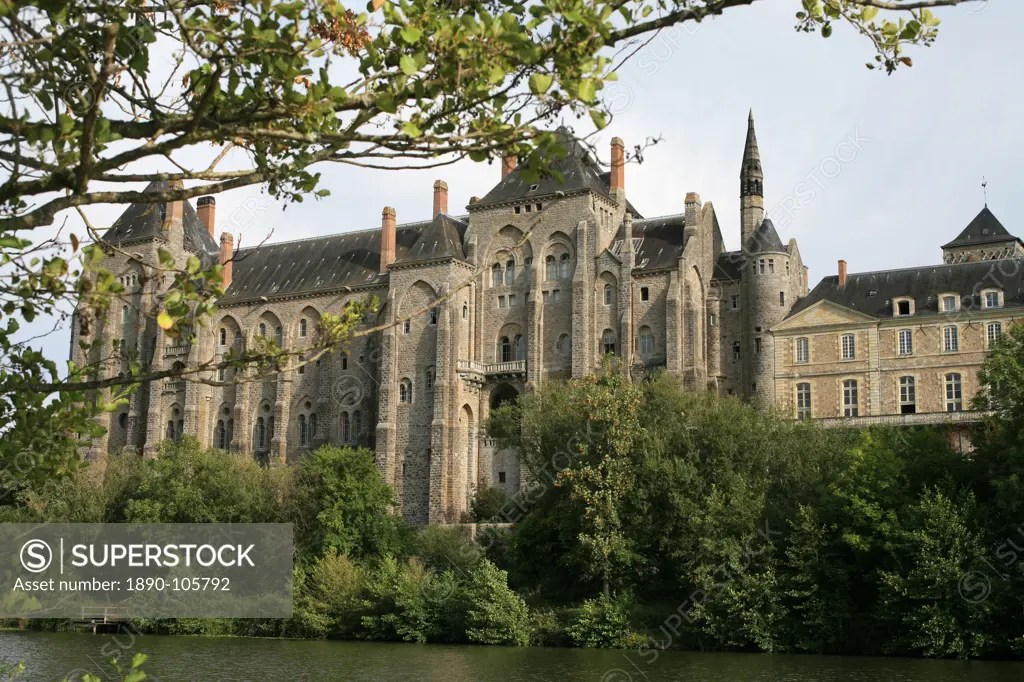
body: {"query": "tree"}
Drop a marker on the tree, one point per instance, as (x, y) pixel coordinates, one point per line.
(98, 97)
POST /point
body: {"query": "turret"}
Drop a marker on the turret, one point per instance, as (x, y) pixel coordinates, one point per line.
(751, 186)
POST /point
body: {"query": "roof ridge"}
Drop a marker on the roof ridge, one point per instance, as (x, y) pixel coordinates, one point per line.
(352, 233)
(924, 267)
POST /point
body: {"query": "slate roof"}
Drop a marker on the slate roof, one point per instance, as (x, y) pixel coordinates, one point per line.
(729, 265)
(984, 229)
(145, 221)
(765, 239)
(329, 263)
(579, 170)
(872, 293)
(663, 241)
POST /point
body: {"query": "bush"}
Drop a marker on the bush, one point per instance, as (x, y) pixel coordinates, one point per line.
(330, 596)
(443, 548)
(603, 623)
(488, 503)
(395, 604)
(494, 613)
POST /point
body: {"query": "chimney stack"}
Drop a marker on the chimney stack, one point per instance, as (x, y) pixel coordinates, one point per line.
(692, 208)
(206, 207)
(508, 164)
(173, 210)
(227, 249)
(842, 273)
(440, 197)
(387, 238)
(618, 179)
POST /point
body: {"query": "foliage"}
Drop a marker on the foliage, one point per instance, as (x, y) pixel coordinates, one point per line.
(443, 548)
(604, 623)
(396, 604)
(488, 504)
(494, 613)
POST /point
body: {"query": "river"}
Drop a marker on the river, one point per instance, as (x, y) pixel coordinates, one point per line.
(51, 657)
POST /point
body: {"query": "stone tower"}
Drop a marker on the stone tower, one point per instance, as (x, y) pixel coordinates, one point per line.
(751, 185)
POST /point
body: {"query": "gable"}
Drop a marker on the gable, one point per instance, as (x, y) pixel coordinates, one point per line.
(823, 314)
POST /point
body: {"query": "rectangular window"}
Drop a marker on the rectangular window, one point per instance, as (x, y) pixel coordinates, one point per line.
(221, 374)
(950, 340)
(547, 297)
(501, 477)
(995, 332)
(711, 320)
(906, 342)
(407, 326)
(803, 401)
(948, 304)
(501, 301)
(803, 350)
(734, 301)
(850, 406)
(954, 393)
(645, 293)
(903, 308)
(757, 345)
(511, 300)
(554, 295)
(849, 351)
(908, 395)
(736, 351)
(761, 265)
(992, 299)
(771, 266)
(782, 298)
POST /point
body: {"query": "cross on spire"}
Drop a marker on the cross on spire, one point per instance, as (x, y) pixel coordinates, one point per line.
(984, 189)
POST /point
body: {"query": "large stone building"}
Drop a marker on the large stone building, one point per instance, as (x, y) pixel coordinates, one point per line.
(536, 281)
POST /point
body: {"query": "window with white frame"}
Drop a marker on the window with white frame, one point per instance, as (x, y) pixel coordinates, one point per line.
(954, 393)
(908, 395)
(849, 347)
(803, 401)
(906, 342)
(646, 341)
(992, 298)
(994, 332)
(902, 307)
(950, 339)
(734, 301)
(850, 403)
(949, 303)
(803, 350)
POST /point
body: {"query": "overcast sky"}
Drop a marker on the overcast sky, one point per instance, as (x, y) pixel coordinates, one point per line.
(878, 170)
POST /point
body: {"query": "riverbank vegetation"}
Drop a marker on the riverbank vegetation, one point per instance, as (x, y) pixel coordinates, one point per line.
(655, 517)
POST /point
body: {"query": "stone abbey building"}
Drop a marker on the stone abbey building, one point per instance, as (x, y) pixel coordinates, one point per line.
(533, 282)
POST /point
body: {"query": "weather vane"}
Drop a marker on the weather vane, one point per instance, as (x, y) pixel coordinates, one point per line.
(984, 189)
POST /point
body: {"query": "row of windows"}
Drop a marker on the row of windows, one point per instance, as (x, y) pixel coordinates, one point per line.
(953, 383)
(948, 303)
(432, 316)
(950, 342)
(405, 386)
(766, 266)
(734, 300)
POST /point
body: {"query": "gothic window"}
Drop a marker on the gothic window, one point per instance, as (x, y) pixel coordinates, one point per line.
(312, 427)
(803, 401)
(432, 316)
(278, 337)
(849, 347)
(520, 348)
(407, 327)
(465, 311)
(908, 395)
(550, 268)
(430, 379)
(995, 332)
(344, 427)
(504, 350)
(405, 391)
(646, 341)
(261, 434)
(736, 350)
(357, 426)
(270, 428)
(608, 294)
(263, 330)
(510, 272)
(906, 342)
(954, 393)
(223, 337)
(850, 404)
(527, 262)
(608, 342)
(221, 436)
(563, 266)
(302, 328)
(564, 345)
(303, 432)
(803, 350)
(950, 340)
(496, 278)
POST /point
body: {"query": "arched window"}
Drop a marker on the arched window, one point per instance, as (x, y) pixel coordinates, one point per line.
(278, 337)
(302, 328)
(465, 311)
(221, 436)
(344, 427)
(563, 266)
(303, 433)
(231, 431)
(527, 262)
(550, 268)
(608, 342)
(270, 429)
(432, 316)
(496, 275)
(520, 348)
(261, 434)
(430, 379)
(263, 330)
(124, 315)
(405, 391)
(357, 426)
(223, 336)
(646, 341)
(564, 345)
(504, 350)
(312, 427)
(510, 272)
(609, 294)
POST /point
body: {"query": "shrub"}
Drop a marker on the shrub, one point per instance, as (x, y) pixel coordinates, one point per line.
(603, 623)
(395, 603)
(488, 503)
(443, 548)
(494, 614)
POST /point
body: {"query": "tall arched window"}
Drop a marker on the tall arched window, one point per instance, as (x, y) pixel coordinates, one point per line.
(504, 350)
(278, 337)
(124, 315)
(223, 337)
(564, 345)
(312, 427)
(550, 268)
(496, 275)
(261, 434)
(563, 266)
(302, 328)
(510, 272)
(465, 311)
(344, 427)
(405, 391)
(270, 429)
(221, 436)
(608, 342)
(303, 433)
(263, 330)
(357, 426)
(608, 294)
(430, 379)
(527, 262)
(646, 341)
(520, 348)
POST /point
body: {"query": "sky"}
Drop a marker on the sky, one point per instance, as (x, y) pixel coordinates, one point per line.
(877, 170)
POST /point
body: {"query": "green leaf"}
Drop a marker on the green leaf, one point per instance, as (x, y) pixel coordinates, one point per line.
(540, 83)
(587, 89)
(411, 129)
(411, 34)
(869, 13)
(407, 64)
(599, 119)
(496, 75)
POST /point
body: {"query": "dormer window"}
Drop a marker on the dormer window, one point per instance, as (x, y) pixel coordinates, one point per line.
(949, 303)
(533, 188)
(992, 298)
(902, 306)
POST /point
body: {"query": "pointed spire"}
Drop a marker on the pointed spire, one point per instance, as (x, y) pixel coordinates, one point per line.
(751, 177)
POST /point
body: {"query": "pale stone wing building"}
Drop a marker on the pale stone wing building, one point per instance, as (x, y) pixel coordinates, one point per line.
(902, 346)
(535, 281)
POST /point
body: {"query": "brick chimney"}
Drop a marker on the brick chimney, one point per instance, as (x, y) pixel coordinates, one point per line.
(508, 164)
(387, 238)
(842, 273)
(206, 207)
(173, 210)
(692, 208)
(618, 179)
(440, 197)
(227, 249)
